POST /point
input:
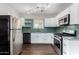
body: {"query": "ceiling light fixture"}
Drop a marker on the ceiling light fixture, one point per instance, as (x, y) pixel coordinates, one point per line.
(40, 7)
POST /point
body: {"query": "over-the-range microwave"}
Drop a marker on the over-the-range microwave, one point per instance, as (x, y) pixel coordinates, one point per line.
(64, 20)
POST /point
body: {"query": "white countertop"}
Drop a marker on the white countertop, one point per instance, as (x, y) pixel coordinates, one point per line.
(70, 38)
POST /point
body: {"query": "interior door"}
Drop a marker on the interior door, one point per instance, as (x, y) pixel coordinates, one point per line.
(4, 35)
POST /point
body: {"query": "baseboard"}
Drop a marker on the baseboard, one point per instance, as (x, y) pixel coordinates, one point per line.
(41, 43)
(20, 53)
(52, 45)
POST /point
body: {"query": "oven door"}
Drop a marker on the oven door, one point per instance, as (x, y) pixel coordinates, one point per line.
(57, 44)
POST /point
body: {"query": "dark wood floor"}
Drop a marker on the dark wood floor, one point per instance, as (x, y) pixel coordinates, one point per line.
(38, 49)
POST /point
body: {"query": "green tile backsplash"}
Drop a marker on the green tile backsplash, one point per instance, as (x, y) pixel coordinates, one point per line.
(45, 30)
(53, 29)
(70, 27)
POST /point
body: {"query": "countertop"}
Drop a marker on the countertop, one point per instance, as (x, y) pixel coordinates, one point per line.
(70, 38)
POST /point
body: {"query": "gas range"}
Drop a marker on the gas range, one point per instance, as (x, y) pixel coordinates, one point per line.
(58, 44)
(58, 41)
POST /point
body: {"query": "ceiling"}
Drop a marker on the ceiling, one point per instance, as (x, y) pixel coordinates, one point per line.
(53, 10)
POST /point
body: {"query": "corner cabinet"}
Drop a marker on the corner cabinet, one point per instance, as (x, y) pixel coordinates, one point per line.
(50, 22)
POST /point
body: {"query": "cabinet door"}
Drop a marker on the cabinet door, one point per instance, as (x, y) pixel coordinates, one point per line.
(26, 38)
(34, 38)
(70, 46)
(50, 22)
(66, 49)
(41, 38)
(74, 14)
(74, 47)
(45, 38)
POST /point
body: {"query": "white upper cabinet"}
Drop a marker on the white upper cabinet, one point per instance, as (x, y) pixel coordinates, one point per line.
(74, 14)
(50, 22)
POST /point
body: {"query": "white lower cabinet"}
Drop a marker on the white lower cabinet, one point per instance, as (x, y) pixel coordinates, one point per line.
(41, 38)
(70, 46)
